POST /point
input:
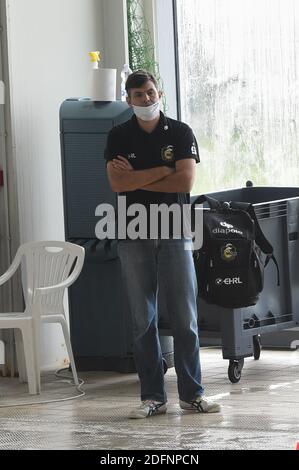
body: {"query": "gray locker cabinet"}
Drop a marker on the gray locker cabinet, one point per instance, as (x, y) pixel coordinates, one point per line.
(84, 126)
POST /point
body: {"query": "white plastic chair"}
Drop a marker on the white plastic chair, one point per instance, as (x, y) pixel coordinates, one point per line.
(50, 267)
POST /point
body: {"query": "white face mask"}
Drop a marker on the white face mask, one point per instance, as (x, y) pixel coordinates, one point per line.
(147, 113)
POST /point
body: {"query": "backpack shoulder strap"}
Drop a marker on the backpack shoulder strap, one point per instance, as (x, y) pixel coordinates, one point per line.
(260, 238)
(213, 203)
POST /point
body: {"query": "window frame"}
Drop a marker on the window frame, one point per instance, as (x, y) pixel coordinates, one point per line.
(165, 40)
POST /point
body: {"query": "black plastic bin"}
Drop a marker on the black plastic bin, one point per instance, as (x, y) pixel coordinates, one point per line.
(277, 209)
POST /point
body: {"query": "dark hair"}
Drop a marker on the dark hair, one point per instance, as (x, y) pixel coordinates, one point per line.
(139, 78)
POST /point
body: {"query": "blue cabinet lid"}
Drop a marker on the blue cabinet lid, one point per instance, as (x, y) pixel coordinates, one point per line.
(83, 108)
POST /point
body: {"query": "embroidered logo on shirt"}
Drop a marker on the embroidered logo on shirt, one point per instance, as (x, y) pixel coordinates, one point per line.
(131, 155)
(193, 149)
(167, 153)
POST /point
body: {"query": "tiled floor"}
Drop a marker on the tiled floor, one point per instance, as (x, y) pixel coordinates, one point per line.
(259, 412)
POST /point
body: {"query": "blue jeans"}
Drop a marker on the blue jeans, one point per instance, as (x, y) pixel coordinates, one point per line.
(150, 266)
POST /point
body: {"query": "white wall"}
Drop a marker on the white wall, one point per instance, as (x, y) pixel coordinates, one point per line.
(49, 42)
(115, 50)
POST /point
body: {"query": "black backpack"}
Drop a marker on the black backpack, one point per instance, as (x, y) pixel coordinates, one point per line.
(229, 265)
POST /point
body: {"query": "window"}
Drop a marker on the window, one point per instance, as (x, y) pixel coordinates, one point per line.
(238, 62)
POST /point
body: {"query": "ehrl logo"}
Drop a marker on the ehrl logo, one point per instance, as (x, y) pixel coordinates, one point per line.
(228, 281)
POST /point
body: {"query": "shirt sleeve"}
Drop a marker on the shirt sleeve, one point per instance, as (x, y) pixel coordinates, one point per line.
(113, 145)
(186, 146)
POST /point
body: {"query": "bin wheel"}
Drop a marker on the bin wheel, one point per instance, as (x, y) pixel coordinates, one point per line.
(256, 347)
(165, 365)
(235, 370)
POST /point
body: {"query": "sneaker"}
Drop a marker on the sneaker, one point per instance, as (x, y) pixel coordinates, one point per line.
(201, 405)
(148, 408)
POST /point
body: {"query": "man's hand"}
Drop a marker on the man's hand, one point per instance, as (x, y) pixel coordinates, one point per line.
(121, 163)
(180, 181)
(122, 177)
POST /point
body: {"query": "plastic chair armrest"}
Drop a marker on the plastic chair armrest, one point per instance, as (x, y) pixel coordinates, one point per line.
(11, 270)
(57, 287)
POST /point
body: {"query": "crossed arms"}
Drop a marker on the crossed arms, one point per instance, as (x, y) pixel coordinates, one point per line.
(122, 177)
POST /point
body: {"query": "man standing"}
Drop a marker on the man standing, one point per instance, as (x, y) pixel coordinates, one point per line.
(151, 160)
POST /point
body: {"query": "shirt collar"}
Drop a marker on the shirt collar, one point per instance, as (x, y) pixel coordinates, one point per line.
(158, 128)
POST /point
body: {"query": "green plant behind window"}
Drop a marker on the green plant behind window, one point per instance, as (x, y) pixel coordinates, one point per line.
(141, 47)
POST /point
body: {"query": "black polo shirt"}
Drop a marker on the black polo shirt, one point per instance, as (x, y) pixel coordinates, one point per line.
(169, 142)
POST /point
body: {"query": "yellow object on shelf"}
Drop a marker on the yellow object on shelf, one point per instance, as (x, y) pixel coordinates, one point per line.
(95, 58)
